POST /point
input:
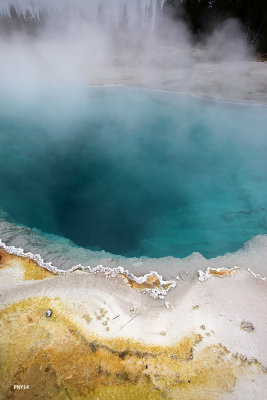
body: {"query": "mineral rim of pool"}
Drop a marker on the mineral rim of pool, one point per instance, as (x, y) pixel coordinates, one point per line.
(132, 172)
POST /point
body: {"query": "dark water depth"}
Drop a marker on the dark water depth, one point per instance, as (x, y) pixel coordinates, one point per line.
(134, 172)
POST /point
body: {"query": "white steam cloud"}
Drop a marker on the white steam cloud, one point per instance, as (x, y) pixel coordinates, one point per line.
(110, 42)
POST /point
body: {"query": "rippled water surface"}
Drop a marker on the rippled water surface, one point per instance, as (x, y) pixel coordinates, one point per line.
(134, 172)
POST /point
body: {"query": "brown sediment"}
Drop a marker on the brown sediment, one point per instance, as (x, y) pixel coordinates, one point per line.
(152, 282)
(59, 359)
(31, 270)
(222, 272)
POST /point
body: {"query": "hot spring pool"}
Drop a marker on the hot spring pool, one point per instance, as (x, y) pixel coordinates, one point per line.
(133, 172)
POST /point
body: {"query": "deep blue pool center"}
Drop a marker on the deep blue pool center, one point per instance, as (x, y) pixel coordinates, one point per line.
(135, 172)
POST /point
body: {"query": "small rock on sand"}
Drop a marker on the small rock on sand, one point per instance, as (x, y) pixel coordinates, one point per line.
(247, 326)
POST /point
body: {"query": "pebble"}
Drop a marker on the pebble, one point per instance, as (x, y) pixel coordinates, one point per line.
(48, 313)
(247, 326)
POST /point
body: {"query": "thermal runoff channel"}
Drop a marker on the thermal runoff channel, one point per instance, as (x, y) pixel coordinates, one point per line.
(135, 172)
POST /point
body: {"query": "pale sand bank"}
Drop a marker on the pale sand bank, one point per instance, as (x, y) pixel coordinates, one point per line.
(241, 81)
(222, 319)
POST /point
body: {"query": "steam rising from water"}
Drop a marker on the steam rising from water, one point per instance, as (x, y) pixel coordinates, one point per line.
(94, 43)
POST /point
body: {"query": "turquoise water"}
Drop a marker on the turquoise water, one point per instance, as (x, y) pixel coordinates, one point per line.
(133, 172)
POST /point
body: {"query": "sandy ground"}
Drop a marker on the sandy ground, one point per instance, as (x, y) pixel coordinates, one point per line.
(222, 319)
